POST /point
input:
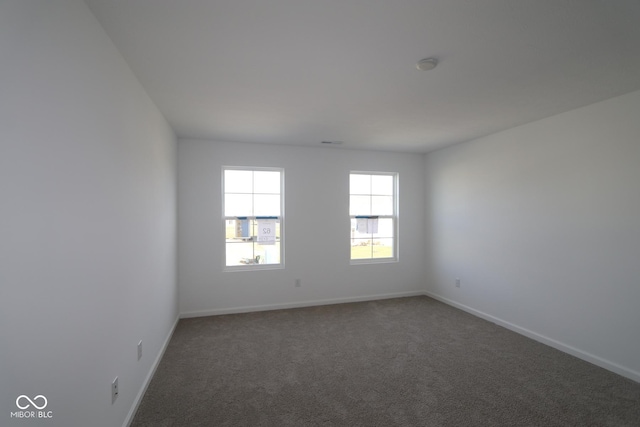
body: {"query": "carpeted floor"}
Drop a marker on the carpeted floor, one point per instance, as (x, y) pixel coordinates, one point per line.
(399, 362)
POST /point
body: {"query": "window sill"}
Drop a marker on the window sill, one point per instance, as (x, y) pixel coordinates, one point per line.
(373, 261)
(233, 269)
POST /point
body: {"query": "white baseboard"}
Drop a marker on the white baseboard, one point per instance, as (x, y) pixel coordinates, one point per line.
(147, 380)
(298, 304)
(598, 361)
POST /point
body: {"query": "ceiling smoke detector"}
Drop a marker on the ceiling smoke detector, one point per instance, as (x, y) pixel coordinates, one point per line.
(427, 64)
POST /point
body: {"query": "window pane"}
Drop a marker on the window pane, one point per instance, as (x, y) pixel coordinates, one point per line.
(361, 249)
(266, 182)
(383, 248)
(267, 205)
(359, 205)
(238, 205)
(354, 226)
(230, 229)
(385, 228)
(237, 181)
(382, 185)
(238, 230)
(363, 227)
(359, 184)
(254, 229)
(381, 205)
(268, 254)
(240, 253)
(358, 232)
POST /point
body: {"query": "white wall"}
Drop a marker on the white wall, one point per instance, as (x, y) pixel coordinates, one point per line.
(542, 225)
(87, 218)
(316, 195)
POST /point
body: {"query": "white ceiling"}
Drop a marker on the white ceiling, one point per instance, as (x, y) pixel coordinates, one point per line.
(303, 71)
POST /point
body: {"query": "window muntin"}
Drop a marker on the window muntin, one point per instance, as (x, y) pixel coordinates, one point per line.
(250, 197)
(372, 209)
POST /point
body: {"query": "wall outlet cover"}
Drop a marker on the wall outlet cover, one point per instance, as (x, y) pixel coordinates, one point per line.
(114, 390)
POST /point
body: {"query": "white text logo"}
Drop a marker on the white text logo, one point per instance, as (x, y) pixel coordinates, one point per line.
(25, 402)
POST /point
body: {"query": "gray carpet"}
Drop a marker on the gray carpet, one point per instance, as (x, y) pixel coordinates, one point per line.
(398, 362)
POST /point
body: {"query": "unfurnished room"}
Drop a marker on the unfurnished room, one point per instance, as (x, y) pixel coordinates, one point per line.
(319, 213)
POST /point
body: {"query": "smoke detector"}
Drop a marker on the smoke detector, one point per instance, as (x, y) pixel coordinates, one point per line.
(427, 64)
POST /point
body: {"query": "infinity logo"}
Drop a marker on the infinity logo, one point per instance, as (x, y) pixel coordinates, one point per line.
(22, 397)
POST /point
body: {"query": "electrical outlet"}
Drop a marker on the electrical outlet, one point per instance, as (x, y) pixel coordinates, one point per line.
(298, 283)
(140, 350)
(114, 390)
(457, 282)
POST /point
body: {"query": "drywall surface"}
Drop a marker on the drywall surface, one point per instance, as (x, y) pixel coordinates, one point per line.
(317, 229)
(87, 220)
(541, 223)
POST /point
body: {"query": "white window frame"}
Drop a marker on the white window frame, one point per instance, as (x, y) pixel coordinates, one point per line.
(393, 217)
(280, 218)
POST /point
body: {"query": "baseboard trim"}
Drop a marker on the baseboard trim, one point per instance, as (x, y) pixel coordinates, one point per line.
(580, 354)
(147, 380)
(297, 304)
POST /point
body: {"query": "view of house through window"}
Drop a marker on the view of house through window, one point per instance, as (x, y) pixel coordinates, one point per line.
(252, 205)
(372, 208)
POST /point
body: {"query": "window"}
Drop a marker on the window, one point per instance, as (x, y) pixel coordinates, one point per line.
(253, 221)
(372, 208)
